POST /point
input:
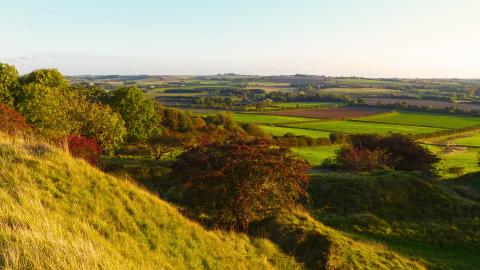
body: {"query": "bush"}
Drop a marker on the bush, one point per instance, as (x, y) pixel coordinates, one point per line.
(83, 147)
(235, 183)
(8, 81)
(11, 122)
(401, 152)
(362, 160)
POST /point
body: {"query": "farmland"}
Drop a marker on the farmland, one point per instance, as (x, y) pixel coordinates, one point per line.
(424, 119)
(358, 91)
(333, 113)
(280, 131)
(354, 127)
(266, 119)
(436, 104)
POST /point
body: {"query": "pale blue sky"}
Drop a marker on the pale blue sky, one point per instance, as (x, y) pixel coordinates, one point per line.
(374, 38)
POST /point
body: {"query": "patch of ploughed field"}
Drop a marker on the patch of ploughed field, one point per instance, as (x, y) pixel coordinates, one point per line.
(333, 113)
(436, 104)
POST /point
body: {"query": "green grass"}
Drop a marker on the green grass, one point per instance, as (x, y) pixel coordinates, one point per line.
(60, 213)
(473, 140)
(266, 119)
(362, 81)
(280, 131)
(316, 155)
(354, 127)
(407, 213)
(424, 119)
(320, 247)
(455, 157)
(359, 91)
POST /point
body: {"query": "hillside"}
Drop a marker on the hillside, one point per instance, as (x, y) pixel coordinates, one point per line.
(59, 213)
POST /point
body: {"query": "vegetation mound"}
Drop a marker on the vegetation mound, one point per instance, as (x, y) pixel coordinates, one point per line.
(320, 247)
(58, 212)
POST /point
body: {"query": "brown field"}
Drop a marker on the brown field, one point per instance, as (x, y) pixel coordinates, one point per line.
(333, 113)
(436, 104)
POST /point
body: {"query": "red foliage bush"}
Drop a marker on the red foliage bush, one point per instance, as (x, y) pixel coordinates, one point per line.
(83, 147)
(362, 160)
(11, 122)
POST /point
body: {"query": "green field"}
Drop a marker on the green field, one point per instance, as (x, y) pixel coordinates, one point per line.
(358, 91)
(354, 127)
(316, 155)
(473, 140)
(424, 119)
(266, 119)
(280, 131)
(458, 157)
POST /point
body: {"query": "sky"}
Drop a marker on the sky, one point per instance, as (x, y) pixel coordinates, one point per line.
(369, 38)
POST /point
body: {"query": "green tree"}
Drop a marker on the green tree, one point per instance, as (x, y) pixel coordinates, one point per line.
(46, 77)
(139, 113)
(45, 108)
(8, 81)
(238, 182)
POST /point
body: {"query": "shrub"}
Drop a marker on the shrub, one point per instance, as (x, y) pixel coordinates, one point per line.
(362, 160)
(8, 81)
(83, 147)
(238, 182)
(11, 122)
(402, 152)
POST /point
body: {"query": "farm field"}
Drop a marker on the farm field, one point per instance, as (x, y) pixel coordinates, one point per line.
(333, 113)
(316, 155)
(293, 105)
(424, 119)
(436, 104)
(365, 82)
(266, 119)
(280, 131)
(462, 157)
(358, 91)
(473, 140)
(354, 127)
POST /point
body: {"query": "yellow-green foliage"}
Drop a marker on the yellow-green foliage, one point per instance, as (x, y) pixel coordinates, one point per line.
(57, 212)
(321, 247)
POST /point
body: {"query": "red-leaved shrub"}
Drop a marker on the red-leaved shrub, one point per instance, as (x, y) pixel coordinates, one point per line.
(11, 122)
(83, 147)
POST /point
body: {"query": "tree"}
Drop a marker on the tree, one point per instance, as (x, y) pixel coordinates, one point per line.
(8, 81)
(238, 182)
(141, 119)
(46, 77)
(361, 160)
(46, 109)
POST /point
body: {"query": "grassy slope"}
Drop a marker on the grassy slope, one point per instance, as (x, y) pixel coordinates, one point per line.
(411, 215)
(60, 213)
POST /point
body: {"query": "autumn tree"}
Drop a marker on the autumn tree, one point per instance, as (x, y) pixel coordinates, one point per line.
(238, 182)
(11, 122)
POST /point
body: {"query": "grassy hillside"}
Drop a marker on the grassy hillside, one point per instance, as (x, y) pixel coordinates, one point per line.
(419, 217)
(59, 213)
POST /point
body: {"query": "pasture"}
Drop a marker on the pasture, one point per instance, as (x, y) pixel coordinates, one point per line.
(435, 104)
(280, 131)
(354, 127)
(316, 155)
(424, 119)
(358, 91)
